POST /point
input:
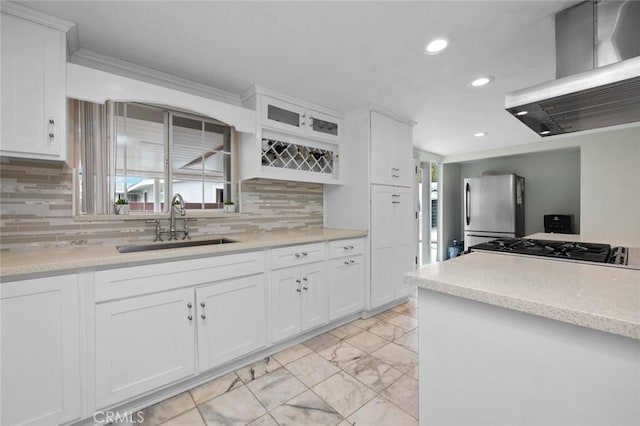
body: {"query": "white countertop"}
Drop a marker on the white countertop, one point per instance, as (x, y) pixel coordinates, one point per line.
(15, 263)
(599, 297)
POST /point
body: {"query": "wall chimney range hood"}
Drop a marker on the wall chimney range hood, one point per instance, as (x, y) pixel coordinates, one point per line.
(597, 71)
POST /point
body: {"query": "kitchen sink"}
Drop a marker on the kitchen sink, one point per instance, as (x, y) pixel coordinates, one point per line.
(172, 244)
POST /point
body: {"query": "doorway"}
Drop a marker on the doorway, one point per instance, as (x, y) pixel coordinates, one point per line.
(429, 212)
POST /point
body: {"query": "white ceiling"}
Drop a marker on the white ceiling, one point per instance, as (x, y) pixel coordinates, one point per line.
(343, 55)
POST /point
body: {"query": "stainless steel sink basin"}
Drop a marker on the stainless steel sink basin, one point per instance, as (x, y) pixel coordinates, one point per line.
(172, 244)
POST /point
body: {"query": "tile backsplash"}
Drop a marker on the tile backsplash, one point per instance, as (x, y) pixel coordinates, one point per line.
(37, 210)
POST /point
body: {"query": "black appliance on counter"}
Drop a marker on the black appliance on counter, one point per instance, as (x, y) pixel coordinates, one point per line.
(558, 223)
(596, 253)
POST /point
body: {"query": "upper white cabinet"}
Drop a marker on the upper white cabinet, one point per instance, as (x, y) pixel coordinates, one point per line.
(297, 119)
(33, 89)
(391, 151)
(40, 351)
(294, 140)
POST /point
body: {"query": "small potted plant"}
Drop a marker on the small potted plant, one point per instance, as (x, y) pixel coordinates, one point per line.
(229, 206)
(121, 206)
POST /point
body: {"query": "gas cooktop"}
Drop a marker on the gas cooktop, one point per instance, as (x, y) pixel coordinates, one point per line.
(562, 250)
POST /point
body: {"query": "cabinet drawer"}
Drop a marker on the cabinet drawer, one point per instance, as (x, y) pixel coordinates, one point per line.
(350, 247)
(296, 255)
(137, 280)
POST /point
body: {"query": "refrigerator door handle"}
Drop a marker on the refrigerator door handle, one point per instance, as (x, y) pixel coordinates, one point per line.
(467, 212)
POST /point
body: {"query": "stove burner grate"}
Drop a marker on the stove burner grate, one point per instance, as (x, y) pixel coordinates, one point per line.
(591, 252)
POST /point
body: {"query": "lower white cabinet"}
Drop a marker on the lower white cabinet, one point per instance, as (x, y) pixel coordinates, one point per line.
(346, 286)
(143, 343)
(231, 320)
(40, 351)
(298, 300)
(393, 243)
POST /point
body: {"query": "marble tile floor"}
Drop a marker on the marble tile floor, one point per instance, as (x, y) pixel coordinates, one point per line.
(363, 373)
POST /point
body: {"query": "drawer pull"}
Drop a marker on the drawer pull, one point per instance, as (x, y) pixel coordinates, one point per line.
(346, 262)
(297, 255)
(304, 254)
(352, 262)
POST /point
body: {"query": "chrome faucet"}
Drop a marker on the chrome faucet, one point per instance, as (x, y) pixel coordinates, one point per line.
(174, 208)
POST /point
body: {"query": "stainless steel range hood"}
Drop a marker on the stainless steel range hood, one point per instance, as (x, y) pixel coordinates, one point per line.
(597, 70)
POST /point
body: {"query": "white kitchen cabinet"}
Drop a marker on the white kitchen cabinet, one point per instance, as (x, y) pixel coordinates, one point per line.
(143, 343)
(231, 320)
(33, 90)
(346, 286)
(379, 196)
(40, 351)
(393, 242)
(298, 300)
(294, 140)
(300, 120)
(391, 151)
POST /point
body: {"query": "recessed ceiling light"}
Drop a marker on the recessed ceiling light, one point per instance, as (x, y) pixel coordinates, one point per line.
(482, 81)
(545, 132)
(437, 45)
(480, 134)
(519, 113)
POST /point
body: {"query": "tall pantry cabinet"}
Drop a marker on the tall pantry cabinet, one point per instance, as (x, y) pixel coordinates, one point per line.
(379, 195)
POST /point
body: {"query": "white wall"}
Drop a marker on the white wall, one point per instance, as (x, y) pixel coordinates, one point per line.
(450, 200)
(552, 183)
(610, 187)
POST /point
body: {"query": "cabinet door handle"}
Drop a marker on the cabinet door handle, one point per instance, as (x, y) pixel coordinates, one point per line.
(351, 247)
(298, 290)
(190, 318)
(304, 254)
(345, 247)
(189, 305)
(352, 261)
(305, 279)
(297, 255)
(202, 304)
(298, 281)
(346, 262)
(306, 288)
(51, 122)
(203, 316)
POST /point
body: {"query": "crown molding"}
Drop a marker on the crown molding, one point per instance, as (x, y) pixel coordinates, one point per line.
(138, 72)
(23, 12)
(380, 110)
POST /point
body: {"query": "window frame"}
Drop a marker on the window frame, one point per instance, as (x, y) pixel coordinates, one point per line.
(111, 109)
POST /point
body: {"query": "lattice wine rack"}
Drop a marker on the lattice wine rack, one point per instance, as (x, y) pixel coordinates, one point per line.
(285, 155)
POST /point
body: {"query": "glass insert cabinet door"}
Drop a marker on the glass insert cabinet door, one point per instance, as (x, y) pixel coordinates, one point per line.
(283, 115)
(295, 119)
(324, 126)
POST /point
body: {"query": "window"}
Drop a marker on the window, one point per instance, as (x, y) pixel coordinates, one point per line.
(154, 153)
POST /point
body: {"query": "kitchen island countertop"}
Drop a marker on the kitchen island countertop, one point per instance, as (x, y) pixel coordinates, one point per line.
(598, 297)
(18, 263)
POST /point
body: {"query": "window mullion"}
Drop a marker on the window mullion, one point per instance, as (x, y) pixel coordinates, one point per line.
(168, 162)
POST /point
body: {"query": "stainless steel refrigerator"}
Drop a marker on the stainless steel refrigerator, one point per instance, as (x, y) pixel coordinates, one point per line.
(493, 208)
